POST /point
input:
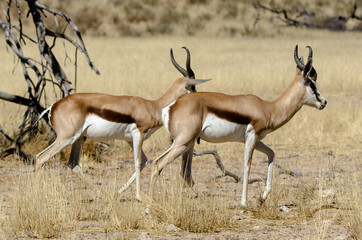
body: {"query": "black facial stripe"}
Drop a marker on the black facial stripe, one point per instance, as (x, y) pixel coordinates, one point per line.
(314, 88)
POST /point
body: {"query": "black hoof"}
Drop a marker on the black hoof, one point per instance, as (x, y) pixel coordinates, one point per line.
(261, 200)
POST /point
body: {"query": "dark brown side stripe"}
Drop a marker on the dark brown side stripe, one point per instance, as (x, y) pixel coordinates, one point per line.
(111, 116)
(230, 116)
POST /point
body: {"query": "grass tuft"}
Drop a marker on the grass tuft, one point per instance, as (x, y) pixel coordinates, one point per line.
(41, 209)
(179, 206)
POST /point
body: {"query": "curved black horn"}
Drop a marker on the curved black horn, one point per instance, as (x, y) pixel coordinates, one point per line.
(310, 55)
(177, 66)
(191, 73)
(300, 65)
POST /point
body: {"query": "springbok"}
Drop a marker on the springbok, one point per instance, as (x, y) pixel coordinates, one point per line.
(217, 117)
(104, 117)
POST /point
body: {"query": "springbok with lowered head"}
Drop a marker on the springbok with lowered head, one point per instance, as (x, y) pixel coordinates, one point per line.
(217, 117)
(104, 117)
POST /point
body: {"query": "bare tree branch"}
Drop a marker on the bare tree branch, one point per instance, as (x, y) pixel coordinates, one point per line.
(309, 19)
(22, 101)
(46, 51)
(289, 21)
(81, 45)
(218, 162)
(47, 69)
(23, 155)
(5, 135)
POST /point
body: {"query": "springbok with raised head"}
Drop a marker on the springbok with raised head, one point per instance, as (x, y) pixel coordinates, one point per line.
(217, 117)
(104, 117)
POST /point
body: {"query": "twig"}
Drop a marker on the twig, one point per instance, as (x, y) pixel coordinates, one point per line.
(5, 135)
(219, 164)
(76, 31)
(23, 155)
(331, 22)
(329, 206)
(288, 172)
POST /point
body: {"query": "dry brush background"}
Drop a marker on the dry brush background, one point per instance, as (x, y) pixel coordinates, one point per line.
(324, 146)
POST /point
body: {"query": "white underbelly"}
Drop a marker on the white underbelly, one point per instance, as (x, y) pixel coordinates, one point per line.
(99, 129)
(219, 130)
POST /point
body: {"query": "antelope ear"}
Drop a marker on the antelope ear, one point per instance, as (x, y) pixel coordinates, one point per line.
(313, 74)
(301, 59)
(191, 82)
(307, 70)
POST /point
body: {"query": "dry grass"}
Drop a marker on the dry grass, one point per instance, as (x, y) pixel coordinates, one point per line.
(41, 207)
(51, 204)
(314, 142)
(180, 207)
(348, 194)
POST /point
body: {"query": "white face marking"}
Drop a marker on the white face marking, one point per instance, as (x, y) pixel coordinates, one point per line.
(313, 97)
(217, 130)
(99, 129)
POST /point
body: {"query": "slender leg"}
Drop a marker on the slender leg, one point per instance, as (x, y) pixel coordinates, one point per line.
(73, 163)
(58, 145)
(269, 152)
(250, 141)
(186, 166)
(77, 148)
(160, 163)
(144, 162)
(137, 151)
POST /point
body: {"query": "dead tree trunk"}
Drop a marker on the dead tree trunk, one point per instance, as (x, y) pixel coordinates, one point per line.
(47, 68)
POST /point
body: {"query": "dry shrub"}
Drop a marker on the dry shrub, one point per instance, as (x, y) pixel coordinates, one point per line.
(301, 203)
(178, 206)
(350, 199)
(47, 206)
(41, 207)
(38, 140)
(270, 208)
(5, 231)
(354, 218)
(137, 13)
(98, 151)
(127, 215)
(303, 199)
(87, 206)
(112, 210)
(89, 19)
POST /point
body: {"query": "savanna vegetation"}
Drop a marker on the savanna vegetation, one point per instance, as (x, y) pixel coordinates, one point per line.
(129, 42)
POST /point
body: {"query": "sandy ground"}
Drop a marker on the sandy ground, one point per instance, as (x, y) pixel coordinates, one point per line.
(246, 226)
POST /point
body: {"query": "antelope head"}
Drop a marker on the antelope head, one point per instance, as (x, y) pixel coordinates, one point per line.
(312, 96)
(189, 81)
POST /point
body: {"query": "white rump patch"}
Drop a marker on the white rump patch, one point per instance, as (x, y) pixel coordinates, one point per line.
(166, 116)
